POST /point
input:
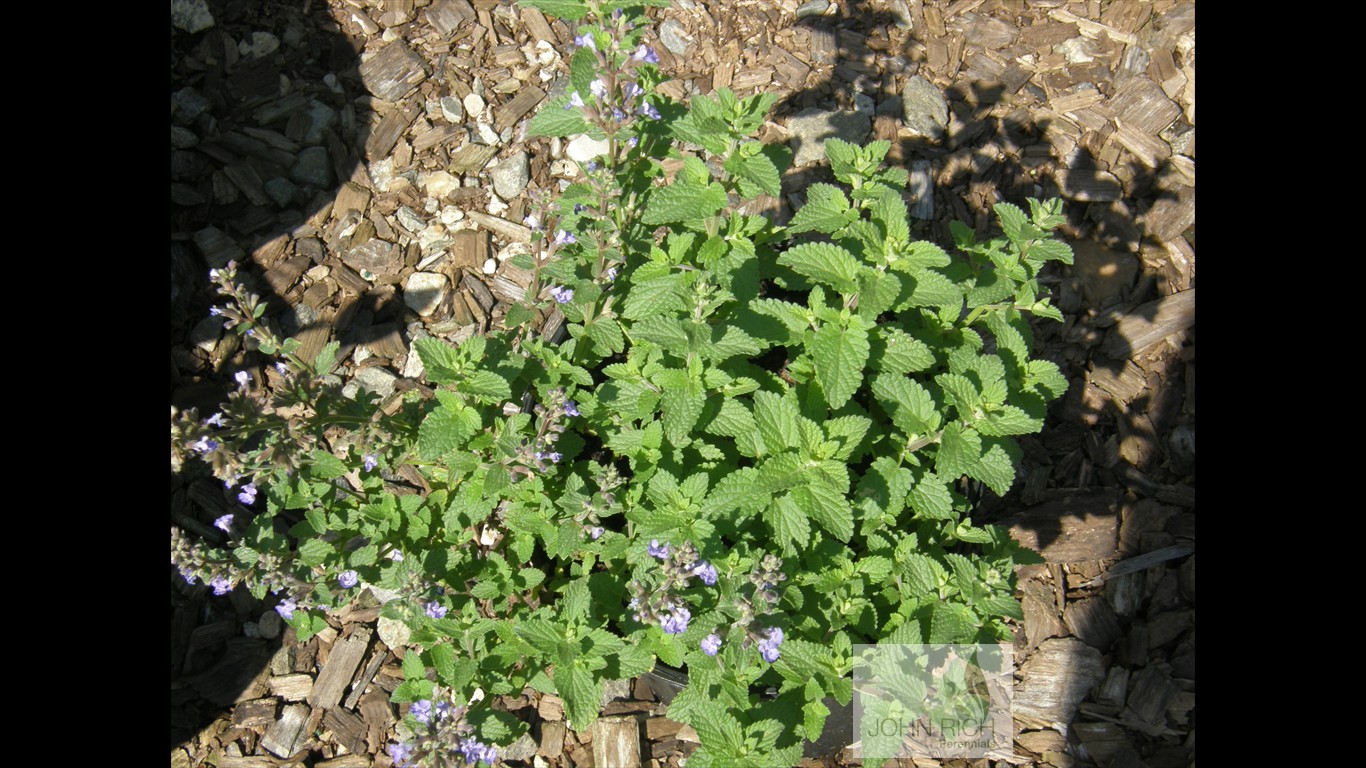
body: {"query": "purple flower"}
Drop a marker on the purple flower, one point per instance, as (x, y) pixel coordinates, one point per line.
(580, 207)
(658, 550)
(575, 100)
(371, 461)
(646, 54)
(421, 711)
(213, 274)
(287, 607)
(215, 311)
(554, 457)
(205, 445)
(562, 237)
(711, 644)
(571, 408)
(348, 579)
(598, 88)
(676, 623)
(248, 494)
(216, 419)
(443, 710)
(476, 752)
(706, 572)
(221, 585)
(242, 378)
(586, 41)
(632, 90)
(532, 222)
(633, 141)
(561, 294)
(592, 166)
(224, 523)
(768, 647)
(435, 610)
(400, 754)
(282, 368)
(611, 274)
(649, 111)
(595, 532)
(618, 115)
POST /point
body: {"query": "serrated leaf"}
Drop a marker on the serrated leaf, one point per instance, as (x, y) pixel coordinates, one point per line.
(759, 171)
(924, 254)
(569, 10)
(843, 158)
(878, 292)
(667, 332)
(439, 360)
(557, 118)
(682, 203)
(901, 352)
(910, 405)
(314, 552)
(961, 391)
(994, 468)
(890, 210)
(959, 450)
(840, 355)
(729, 341)
(653, 297)
(1044, 375)
(813, 719)
(682, 407)
(934, 290)
(1050, 250)
(738, 490)
(921, 572)
(1002, 605)
(777, 421)
(486, 384)
(930, 498)
(581, 693)
(444, 430)
(828, 507)
(951, 623)
(717, 729)
(790, 528)
(1015, 223)
(826, 210)
(327, 467)
(1009, 420)
(825, 263)
(849, 431)
(606, 336)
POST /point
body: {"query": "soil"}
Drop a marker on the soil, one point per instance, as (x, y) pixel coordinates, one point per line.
(309, 137)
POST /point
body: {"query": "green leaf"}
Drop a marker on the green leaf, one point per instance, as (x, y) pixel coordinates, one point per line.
(606, 336)
(717, 728)
(1015, 223)
(959, 450)
(910, 405)
(327, 467)
(445, 430)
(828, 507)
(890, 209)
(840, 355)
(921, 572)
(826, 210)
(440, 360)
(777, 421)
(1050, 250)
(1009, 420)
(995, 469)
(682, 407)
(740, 489)
(557, 118)
(849, 431)
(569, 10)
(813, 719)
(667, 332)
(951, 623)
(654, 297)
(930, 498)
(934, 290)
(790, 528)
(825, 263)
(487, 385)
(327, 357)
(314, 552)
(843, 158)
(581, 693)
(961, 392)
(759, 171)
(583, 67)
(680, 202)
(895, 351)
(1044, 375)
(924, 254)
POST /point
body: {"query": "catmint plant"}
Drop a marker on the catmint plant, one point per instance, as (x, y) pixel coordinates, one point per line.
(748, 455)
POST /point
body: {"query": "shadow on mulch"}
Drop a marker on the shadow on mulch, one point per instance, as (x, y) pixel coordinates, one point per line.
(265, 126)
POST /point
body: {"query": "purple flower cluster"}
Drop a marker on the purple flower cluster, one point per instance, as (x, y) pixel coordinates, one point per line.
(224, 523)
(646, 54)
(711, 644)
(561, 294)
(348, 579)
(421, 711)
(287, 607)
(571, 408)
(248, 494)
(476, 752)
(658, 550)
(401, 754)
(706, 572)
(434, 609)
(205, 445)
(676, 622)
(553, 456)
(221, 585)
(564, 237)
(371, 461)
(595, 532)
(768, 647)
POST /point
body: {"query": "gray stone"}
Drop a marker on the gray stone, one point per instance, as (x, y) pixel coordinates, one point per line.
(452, 109)
(269, 624)
(392, 632)
(811, 127)
(206, 332)
(615, 689)
(924, 108)
(299, 317)
(585, 148)
(312, 167)
(262, 44)
(486, 134)
(377, 380)
(183, 138)
(474, 105)
(320, 118)
(376, 256)
(673, 37)
(409, 220)
(281, 191)
(812, 8)
(511, 175)
(521, 749)
(188, 104)
(424, 292)
(191, 15)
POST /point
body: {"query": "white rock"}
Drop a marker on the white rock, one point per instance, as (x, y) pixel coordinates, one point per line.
(511, 175)
(490, 266)
(437, 183)
(564, 168)
(191, 15)
(452, 109)
(424, 292)
(474, 105)
(393, 633)
(486, 134)
(377, 380)
(413, 368)
(409, 220)
(584, 148)
(450, 215)
(262, 44)
(496, 206)
(513, 249)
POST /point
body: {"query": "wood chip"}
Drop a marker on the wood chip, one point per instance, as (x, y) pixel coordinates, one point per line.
(1041, 614)
(1093, 622)
(1092, 28)
(1149, 694)
(1072, 528)
(479, 292)
(391, 127)
(1171, 215)
(616, 742)
(291, 687)
(340, 668)
(1150, 323)
(537, 25)
(1149, 149)
(552, 739)
(436, 137)
(288, 735)
(347, 728)
(1055, 679)
(394, 72)
(1089, 186)
(527, 99)
(472, 158)
(257, 713)
(511, 231)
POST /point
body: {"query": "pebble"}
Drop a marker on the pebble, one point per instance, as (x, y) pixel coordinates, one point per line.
(424, 292)
(924, 108)
(511, 175)
(673, 37)
(392, 632)
(812, 8)
(262, 44)
(474, 105)
(191, 15)
(374, 255)
(486, 134)
(512, 249)
(206, 332)
(438, 183)
(281, 191)
(1078, 50)
(188, 104)
(490, 266)
(452, 109)
(496, 205)
(811, 127)
(377, 380)
(183, 138)
(584, 148)
(312, 167)
(413, 367)
(269, 624)
(320, 118)
(450, 215)
(409, 220)
(521, 749)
